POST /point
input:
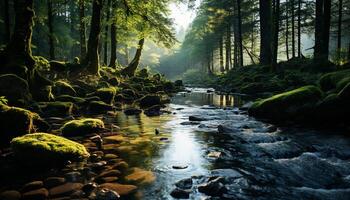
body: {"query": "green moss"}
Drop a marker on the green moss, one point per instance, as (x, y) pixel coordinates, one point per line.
(106, 94)
(63, 88)
(57, 108)
(288, 105)
(99, 107)
(44, 147)
(82, 127)
(67, 98)
(335, 80)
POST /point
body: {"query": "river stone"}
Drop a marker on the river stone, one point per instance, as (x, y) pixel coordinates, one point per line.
(184, 183)
(10, 195)
(180, 166)
(73, 176)
(196, 118)
(32, 186)
(213, 187)
(106, 194)
(109, 173)
(111, 179)
(226, 173)
(140, 177)
(132, 111)
(65, 189)
(39, 194)
(53, 181)
(180, 193)
(89, 187)
(122, 190)
(83, 126)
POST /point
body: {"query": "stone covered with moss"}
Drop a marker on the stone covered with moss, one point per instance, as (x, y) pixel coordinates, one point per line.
(106, 94)
(63, 88)
(297, 104)
(99, 107)
(57, 108)
(44, 147)
(82, 127)
(150, 100)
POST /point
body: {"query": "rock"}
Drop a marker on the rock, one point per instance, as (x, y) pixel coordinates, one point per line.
(271, 129)
(106, 194)
(109, 173)
(43, 93)
(122, 166)
(180, 166)
(122, 190)
(98, 165)
(180, 193)
(106, 94)
(46, 148)
(63, 88)
(99, 107)
(89, 187)
(214, 154)
(10, 195)
(57, 108)
(15, 89)
(106, 180)
(213, 187)
(110, 156)
(114, 81)
(189, 123)
(53, 182)
(293, 105)
(132, 111)
(68, 98)
(226, 129)
(335, 80)
(73, 176)
(39, 194)
(153, 111)
(83, 126)
(184, 183)
(32, 186)
(196, 119)
(140, 177)
(178, 83)
(149, 100)
(65, 189)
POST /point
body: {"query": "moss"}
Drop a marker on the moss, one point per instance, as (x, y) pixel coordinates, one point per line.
(150, 100)
(67, 98)
(335, 80)
(106, 94)
(63, 88)
(82, 127)
(41, 63)
(99, 107)
(47, 148)
(289, 105)
(57, 108)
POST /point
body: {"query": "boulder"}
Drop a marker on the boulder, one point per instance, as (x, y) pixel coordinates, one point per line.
(213, 187)
(178, 83)
(153, 111)
(10, 195)
(44, 148)
(106, 94)
(68, 98)
(82, 127)
(15, 89)
(99, 107)
(150, 100)
(57, 108)
(39, 194)
(132, 111)
(293, 105)
(63, 88)
(65, 189)
(335, 80)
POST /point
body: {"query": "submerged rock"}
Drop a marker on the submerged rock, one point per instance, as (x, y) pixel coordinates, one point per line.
(46, 148)
(213, 187)
(82, 127)
(150, 100)
(180, 193)
(184, 183)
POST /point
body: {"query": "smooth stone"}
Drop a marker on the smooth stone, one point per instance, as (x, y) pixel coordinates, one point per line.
(39, 194)
(65, 189)
(122, 166)
(189, 123)
(106, 194)
(79, 194)
(110, 156)
(53, 182)
(140, 177)
(196, 119)
(109, 173)
(73, 176)
(110, 179)
(32, 186)
(213, 187)
(10, 195)
(89, 187)
(122, 190)
(180, 166)
(98, 165)
(180, 194)
(215, 154)
(184, 183)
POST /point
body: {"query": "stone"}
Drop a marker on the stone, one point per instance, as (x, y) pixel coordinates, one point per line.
(73, 176)
(106, 194)
(32, 186)
(213, 187)
(51, 182)
(99, 107)
(180, 193)
(10, 195)
(149, 101)
(180, 166)
(65, 189)
(106, 180)
(39, 194)
(15, 89)
(132, 111)
(63, 88)
(106, 94)
(196, 119)
(153, 111)
(83, 126)
(184, 183)
(140, 177)
(109, 173)
(122, 190)
(89, 187)
(57, 108)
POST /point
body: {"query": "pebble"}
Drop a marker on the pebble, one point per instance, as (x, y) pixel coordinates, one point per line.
(73, 176)
(180, 166)
(89, 187)
(122, 190)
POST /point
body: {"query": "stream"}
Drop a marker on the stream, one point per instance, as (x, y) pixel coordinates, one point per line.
(222, 153)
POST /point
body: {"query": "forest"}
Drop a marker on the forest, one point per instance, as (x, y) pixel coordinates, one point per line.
(174, 99)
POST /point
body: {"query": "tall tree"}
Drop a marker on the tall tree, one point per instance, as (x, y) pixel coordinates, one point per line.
(221, 48)
(113, 58)
(265, 12)
(299, 28)
(50, 16)
(322, 29)
(275, 34)
(82, 28)
(292, 5)
(287, 30)
(318, 29)
(131, 68)
(340, 16)
(7, 21)
(108, 10)
(240, 38)
(228, 48)
(92, 56)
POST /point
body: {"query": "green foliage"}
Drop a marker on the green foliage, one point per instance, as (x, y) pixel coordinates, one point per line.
(196, 77)
(3, 100)
(82, 127)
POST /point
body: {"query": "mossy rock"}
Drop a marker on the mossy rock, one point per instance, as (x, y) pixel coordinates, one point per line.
(63, 88)
(44, 148)
(106, 94)
(150, 100)
(129, 93)
(14, 88)
(99, 107)
(57, 108)
(68, 98)
(344, 94)
(290, 105)
(82, 127)
(143, 73)
(335, 80)
(169, 86)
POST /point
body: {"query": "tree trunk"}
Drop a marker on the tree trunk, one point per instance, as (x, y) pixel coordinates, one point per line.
(239, 26)
(105, 55)
(228, 48)
(92, 56)
(299, 28)
(326, 28)
(287, 30)
(82, 29)
(51, 33)
(113, 58)
(318, 29)
(7, 21)
(18, 51)
(222, 69)
(131, 68)
(265, 32)
(275, 35)
(340, 16)
(293, 28)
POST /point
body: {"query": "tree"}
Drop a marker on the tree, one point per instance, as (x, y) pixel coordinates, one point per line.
(293, 27)
(265, 32)
(340, 16)
(287, 30)
(51, 31)
(322, 29)
(82, 28)
(131, 68)
(275, 36)
(113, 58)
(7, 21)
(92, 57)
(299, 28)
(108, 10)
(239, 39)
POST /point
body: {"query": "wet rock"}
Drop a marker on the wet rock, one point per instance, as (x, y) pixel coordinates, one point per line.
(57, 108)
(213, 187)
(67, 98)
(189, 123)
(122, 190)
(153, 111)
(180, 166)
(82, 127)
(150, 100)
(106, 194)
(10, 195)
(111, 179)
(230, 173)
(184, 183)
(32, 186)
(226, 129)
(132, 111)
(53, 181)
(214, 154)
(109, 173)
(98, 165)
(89, 187)
(46, 148)
(63, 88)
(99, 107)
(106, 94)
(271, 129)
(140, 177)
(73, 176)
(110, 156)
(180, 193)
(39, 194)
(196, 119)
(65, 189)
